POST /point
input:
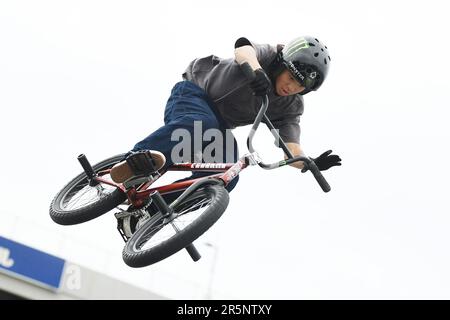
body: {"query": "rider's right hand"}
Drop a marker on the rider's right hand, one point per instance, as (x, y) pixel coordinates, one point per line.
(261, 84)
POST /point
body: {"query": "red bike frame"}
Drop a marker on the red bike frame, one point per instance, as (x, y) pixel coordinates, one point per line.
(137, 195)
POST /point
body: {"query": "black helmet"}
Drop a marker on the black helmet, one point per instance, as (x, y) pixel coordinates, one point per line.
(308, 61)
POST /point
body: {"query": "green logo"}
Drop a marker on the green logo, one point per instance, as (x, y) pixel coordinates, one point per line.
(296, 45)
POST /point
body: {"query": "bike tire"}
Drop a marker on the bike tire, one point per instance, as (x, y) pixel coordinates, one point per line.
(109, 201)
(136, 258)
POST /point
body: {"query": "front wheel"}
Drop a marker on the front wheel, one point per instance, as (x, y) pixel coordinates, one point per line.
(79, 202)
(157, 239)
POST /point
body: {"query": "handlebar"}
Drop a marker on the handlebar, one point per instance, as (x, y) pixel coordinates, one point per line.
(309, 163)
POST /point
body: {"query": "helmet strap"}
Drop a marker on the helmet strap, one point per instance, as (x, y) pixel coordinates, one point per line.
(276, 67)
(305, 92)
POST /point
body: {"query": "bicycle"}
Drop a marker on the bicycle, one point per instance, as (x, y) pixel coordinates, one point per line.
(152, 228)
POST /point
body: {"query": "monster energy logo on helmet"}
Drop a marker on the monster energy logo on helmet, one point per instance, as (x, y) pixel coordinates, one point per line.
(295, 46)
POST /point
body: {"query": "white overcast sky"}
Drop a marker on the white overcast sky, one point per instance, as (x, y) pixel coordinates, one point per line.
(93, 77)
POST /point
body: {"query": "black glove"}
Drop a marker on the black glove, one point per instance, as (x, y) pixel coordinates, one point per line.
(261, 85)
(325, 161)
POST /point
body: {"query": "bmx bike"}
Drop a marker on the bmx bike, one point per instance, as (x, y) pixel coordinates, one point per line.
(152, 228)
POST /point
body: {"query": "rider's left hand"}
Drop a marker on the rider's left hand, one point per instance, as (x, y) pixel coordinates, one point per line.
(261, 84)
(325, 161)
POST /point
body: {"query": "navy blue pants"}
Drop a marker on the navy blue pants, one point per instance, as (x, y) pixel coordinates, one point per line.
(186, 104)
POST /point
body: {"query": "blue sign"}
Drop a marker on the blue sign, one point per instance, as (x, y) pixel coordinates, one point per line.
(30, 263)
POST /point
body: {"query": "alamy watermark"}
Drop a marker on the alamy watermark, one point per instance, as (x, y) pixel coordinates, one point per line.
(210, 146)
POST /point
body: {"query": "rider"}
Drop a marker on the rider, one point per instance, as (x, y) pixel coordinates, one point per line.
(216, 92)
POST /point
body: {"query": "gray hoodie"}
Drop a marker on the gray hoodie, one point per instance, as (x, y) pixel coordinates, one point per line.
(226, 85)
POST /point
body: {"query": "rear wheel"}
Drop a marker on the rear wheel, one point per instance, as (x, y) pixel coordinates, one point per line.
(79, 202)
(157, 239)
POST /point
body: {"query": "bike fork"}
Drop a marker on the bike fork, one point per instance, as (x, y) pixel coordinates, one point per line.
(167, 211)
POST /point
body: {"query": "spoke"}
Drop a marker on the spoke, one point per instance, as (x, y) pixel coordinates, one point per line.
(74, 200)
(162, 235)
(188, 213)
(85, 195)
(73, 192)
(174, 226)
(199, 204)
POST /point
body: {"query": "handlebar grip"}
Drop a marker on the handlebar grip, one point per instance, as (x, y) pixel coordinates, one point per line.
(248, 71)
(319, 177)
(321, 180)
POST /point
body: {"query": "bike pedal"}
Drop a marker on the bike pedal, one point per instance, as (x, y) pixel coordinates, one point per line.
(121, 231)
